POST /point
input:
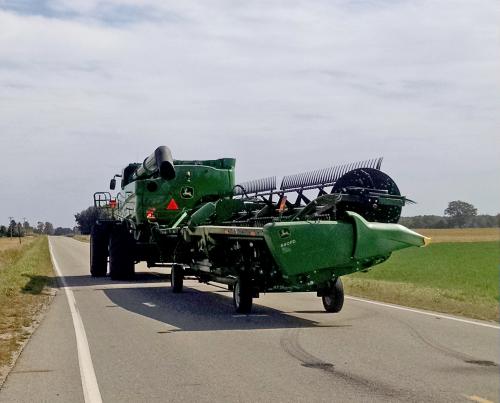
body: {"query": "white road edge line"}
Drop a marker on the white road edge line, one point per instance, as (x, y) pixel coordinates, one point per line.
(436, 315)
(90, 387)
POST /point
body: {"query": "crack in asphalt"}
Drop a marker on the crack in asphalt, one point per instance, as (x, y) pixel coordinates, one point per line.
(291, 345)
(447, 351)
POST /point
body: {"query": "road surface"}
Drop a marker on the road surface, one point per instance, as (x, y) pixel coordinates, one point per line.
(138, 342)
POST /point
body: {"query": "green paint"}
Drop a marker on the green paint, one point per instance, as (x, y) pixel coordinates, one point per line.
(334, 248)
(208, 180)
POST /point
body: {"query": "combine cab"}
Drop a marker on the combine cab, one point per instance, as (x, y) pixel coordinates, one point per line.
(255, 236)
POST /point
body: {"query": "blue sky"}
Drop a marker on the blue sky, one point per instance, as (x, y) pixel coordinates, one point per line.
(283, 86)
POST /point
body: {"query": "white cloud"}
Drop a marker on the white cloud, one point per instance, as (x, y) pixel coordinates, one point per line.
(87, 86)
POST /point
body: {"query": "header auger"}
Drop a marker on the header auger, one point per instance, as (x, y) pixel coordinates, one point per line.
(253, 236)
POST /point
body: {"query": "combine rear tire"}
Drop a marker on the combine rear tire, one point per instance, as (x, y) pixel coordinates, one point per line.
(242, 295)
(121, 253)
(99, 240)
(334, 299)
(177, 278)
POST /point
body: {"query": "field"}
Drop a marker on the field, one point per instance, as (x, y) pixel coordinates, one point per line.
(25, 280)
(462, 234)
(459, 277)
(14, 244)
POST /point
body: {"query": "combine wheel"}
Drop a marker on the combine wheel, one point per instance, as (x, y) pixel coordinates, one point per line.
(121, 253)
(333, 300)
(99, 239)
(242, 295)
(177, 278)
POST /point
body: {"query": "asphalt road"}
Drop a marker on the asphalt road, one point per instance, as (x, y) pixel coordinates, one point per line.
(147, 344)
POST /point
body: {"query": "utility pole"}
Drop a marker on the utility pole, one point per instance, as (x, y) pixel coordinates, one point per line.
(10, 226)
(19, 231)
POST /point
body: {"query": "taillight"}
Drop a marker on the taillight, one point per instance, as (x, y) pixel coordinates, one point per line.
(150, 214)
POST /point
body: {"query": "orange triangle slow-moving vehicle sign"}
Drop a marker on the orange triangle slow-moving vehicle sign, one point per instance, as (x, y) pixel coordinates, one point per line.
(172, 205)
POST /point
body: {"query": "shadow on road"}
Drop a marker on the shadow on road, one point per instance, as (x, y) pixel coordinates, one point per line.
(191, 310)
(88, 281)
(195, 310)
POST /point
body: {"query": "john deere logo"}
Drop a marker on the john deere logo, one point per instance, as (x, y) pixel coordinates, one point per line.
(187, 192)
(284, 233)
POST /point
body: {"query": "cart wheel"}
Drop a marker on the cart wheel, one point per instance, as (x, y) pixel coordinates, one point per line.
(99, 239)
(242, 295)
(334, 299)
(177, 278)
(121, 253)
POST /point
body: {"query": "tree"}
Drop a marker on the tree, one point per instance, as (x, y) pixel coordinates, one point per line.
(3, 230)
(27, 228)
(63, 231)
(48, 228)
(12, 230)
(86, 219)
(460, 212)
(39, 227)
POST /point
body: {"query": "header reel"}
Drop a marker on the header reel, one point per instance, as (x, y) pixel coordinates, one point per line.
(360, 187)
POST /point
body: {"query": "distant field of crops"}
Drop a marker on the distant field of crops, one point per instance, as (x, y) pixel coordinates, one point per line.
(462, 234)
(13, 243)
(456, 277)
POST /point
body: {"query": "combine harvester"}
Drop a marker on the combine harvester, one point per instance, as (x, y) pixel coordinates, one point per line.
(254, 236)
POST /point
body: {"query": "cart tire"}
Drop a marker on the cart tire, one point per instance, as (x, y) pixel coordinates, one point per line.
(99, 240)
(242, 295)
(334, 299)
(121, 253)
(177, 278)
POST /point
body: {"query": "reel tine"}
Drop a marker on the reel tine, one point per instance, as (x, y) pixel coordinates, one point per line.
(336, 173)
(322, 177)
(330, 176)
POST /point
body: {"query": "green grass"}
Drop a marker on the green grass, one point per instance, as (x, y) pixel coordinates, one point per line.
(82, 238)
(25, 277)
(458, 278)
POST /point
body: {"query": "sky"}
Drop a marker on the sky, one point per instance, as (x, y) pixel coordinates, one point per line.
(87, 86)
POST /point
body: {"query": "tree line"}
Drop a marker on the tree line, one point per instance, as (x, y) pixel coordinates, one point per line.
(436, 221)
(458, 214)
(21, 229)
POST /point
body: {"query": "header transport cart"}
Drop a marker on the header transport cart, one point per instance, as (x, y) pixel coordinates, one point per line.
(255, 237)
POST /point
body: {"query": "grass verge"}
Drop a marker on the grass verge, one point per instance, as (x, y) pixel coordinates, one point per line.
(25, 279)
(82, 238)
(456, 278)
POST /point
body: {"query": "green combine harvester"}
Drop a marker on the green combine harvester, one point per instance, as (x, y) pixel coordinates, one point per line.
(253, 236)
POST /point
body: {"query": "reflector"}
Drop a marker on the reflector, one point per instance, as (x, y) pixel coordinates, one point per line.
(172, 205)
